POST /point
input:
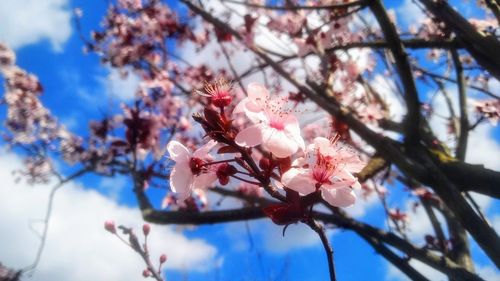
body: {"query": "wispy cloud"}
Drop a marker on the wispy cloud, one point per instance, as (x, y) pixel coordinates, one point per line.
(78, 248)
(26, 22)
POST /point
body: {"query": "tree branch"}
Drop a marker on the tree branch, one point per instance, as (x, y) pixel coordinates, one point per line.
(482, 47)
(412, 120)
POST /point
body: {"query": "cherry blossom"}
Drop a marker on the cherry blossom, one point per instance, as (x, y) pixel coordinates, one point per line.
(274, 127)
(489, 109)
(327, 166)
(190, 170)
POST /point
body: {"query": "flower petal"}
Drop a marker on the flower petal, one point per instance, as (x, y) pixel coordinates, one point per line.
(250, 136)
(324, 145)
(339, 197)
(181, 179)
(257, 91)
(204, 180)
(292, 130)
(240, 107)
(178, 152)
(202, 152)
(298, 180)
(278, 143)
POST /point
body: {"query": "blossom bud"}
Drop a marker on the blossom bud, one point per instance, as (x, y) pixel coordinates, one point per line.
(223, 173)
(265, 164)
(145, 229)
(221, 99)
(163, 258)
(146, 273)
(110, 226)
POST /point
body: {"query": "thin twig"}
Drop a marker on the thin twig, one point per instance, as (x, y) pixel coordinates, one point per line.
(320, 230)
(43, 237)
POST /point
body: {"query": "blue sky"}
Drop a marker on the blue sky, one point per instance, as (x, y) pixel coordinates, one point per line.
(77, 89)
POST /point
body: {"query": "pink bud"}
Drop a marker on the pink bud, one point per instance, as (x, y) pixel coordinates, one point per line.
(145, 229)
(163, 258)
(110, 226)
(146, 273)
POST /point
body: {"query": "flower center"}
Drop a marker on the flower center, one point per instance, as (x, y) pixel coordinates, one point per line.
(277, 124)
(323, 169)
(221, 98)
(196, 165)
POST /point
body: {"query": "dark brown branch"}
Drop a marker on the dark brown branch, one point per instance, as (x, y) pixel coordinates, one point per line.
(401, 263)
(319, 229)
(412, 120)
(469, 177)
(296, 8)
(494, 7)
(442, 264)
(462, 99)
(483, 48)
(470, 86)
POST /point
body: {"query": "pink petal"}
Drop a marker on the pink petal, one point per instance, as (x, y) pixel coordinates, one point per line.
(298, 180)
(324, 145)
(250, 136)
(202, 152)
(181, 179)
(204, 180)
(278, 143)
(178, 152)
(343, 197)
(257, 91)
(240, 107)
(292, 130)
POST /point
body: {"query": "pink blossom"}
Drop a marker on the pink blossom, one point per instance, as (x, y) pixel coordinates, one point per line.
(371, 113)
(190, 171)
(327, 166)
(489, 109)
(274, 127)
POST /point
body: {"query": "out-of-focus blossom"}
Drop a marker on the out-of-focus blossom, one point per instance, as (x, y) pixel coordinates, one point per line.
(490, 109)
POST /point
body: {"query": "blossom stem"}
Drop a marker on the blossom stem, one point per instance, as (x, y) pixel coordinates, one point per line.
(320, 230)
(245, 173)
(245, 180)
(218, 162)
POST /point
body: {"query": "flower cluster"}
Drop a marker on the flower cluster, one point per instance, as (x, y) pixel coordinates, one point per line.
(271, 137)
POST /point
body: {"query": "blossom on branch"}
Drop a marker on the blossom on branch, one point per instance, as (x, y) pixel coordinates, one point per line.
(276, 128)
(327, 167)
(190, 170)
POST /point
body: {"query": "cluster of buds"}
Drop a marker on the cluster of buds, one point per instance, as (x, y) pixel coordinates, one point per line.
(143, 251)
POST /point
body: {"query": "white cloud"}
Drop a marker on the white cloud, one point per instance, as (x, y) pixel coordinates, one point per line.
(419, 224)
(386, 88)
(78, 248)
(408, 13)
(297, 236)
(483, 147)
(488, 273)
(362, 205)
(394, 273)
(118, 86)
(496, 223)
(26, 22)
